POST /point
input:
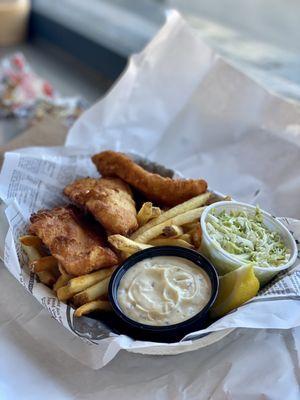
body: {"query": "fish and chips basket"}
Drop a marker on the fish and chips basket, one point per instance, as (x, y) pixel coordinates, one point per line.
(169, 125)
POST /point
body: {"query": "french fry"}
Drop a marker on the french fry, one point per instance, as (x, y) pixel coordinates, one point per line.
(190, 226)
(83, 282)
(46, 277)
(188, 205)
(80, 283)
(91, 293)
(156, 212)
(125, 255)
(179, 220)
(61, 281)
(227, 198)
(214, 198)
(32, 253)
(126, 245)
(197, 236)
(186, 237)
(96, 305)
(43, 264)
(64, 293)
(31, 240)
(172, 230)
(171, 242)
(147, 212)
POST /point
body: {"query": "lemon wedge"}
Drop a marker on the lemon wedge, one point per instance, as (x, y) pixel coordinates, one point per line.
(235, 288)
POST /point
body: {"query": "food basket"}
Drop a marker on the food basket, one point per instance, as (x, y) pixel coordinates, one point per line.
(91, 328)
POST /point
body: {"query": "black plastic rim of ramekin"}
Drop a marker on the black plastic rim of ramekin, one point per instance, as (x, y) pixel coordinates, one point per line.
(191, 255)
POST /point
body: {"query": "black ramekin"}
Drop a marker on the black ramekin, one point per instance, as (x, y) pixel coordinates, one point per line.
(170, 333)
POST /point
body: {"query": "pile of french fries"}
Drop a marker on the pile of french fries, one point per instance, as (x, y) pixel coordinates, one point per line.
(86, 293)
(178, 226)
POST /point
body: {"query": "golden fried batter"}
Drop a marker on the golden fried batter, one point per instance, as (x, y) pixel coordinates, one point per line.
(109, 200)
(164, 191)
(72, 240)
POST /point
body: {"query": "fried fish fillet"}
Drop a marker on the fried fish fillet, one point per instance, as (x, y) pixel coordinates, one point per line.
(72, 240)
(164, 191)
(109, 200)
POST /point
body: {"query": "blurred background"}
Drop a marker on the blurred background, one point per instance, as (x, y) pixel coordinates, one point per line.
(59, 56)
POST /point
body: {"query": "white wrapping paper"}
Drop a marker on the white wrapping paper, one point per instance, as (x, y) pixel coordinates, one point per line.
(180, 104)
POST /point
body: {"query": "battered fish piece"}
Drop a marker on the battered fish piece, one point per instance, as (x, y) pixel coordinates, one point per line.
(72, 240)
(109, 200)
(164, 191)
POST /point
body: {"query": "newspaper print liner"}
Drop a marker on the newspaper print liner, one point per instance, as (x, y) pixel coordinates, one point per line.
(286, 285)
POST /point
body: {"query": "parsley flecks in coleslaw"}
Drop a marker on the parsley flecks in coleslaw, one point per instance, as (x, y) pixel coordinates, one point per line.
(247, 238)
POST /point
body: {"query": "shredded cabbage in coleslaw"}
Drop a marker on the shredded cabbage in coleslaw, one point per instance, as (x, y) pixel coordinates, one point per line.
(247, 238)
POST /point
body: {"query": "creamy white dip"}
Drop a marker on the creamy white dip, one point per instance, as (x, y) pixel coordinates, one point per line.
(163, 290)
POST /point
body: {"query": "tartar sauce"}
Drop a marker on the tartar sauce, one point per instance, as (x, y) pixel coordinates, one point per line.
(163, 290)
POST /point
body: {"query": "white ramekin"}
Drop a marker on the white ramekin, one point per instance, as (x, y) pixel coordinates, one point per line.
(225, 262)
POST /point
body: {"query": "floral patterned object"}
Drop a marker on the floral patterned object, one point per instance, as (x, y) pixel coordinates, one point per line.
(24, 94)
